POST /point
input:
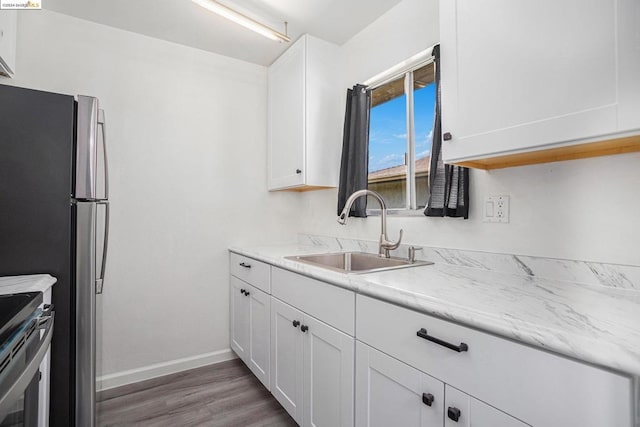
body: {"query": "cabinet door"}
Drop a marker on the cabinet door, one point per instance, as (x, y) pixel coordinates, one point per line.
(391, 393)
(520, 75)
(328, 375)
(629, 65)
(462, 410)
(286, 139)
(239, 328)
(287, 357)
(259, 334)
(8, 29)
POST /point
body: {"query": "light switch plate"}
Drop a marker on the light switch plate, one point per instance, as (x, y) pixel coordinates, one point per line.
(496, 209)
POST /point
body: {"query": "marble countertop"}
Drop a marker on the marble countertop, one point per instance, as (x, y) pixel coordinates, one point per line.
(597, 324)
(30, 283)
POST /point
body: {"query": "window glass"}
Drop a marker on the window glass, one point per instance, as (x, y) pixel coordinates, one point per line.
(393, 146)
(388, 143)
(424, 101)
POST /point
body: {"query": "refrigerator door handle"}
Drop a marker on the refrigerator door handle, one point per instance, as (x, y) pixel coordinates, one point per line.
(103, 126)
(86, 148)
(105, 247)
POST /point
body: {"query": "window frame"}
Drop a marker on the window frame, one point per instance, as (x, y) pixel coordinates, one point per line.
(405, 70)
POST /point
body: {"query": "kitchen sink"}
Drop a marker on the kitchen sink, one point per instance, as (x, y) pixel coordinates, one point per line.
(356, 262)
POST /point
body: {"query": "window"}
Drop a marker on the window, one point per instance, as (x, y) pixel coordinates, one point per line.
(402, 114)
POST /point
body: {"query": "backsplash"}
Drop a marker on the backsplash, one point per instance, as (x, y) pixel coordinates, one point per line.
(589, 273)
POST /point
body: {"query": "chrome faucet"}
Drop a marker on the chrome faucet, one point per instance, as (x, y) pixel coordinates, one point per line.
(385, 245)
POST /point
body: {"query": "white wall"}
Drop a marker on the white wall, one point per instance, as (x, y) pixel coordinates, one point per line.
(187, 148)
(582, 209)
(408, 28)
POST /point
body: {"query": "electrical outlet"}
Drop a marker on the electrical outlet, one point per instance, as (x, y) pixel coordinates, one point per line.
(496, 209)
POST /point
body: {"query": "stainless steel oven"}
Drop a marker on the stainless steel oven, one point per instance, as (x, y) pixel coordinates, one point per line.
(22, 350)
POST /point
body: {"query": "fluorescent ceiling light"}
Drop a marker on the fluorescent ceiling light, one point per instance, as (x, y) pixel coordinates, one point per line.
(241, 19)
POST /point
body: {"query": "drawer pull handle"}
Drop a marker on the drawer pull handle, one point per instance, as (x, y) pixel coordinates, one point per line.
(453, 413)
(422, 333)
(304, 328)
(427, 399)
(296, 323)
(242, 264)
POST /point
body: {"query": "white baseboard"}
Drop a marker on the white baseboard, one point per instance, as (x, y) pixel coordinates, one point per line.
(118, 379)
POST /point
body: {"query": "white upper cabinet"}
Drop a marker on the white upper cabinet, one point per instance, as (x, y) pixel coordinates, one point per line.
(628, 65)
(305, 117)
(529, 75)
(8, 28)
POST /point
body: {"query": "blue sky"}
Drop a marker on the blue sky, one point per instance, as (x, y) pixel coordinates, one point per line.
(388, 131)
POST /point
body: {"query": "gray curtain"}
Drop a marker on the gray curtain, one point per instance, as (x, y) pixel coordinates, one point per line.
(448, 184)
(355, 150)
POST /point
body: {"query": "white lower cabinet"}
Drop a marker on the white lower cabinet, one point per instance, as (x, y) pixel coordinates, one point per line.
(312, 371)
(286, 357)
(328, 375)
(527, 386)
(392, 393)
(239, 328)
(462, 410)
(406, 368)
(259, 334)
(250, 332)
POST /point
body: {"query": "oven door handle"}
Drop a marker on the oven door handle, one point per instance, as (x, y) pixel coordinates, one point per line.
(15, 390)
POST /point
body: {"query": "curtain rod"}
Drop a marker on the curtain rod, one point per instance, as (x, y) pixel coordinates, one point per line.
(416, 61)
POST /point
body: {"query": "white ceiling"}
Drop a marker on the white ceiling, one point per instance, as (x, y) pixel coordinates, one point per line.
(184, 22)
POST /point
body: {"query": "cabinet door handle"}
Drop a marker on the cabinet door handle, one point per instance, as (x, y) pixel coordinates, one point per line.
(296, 323)
(453, 413)
(242, 264)
(298, 171)
(242, 291)
(247, 293)
(422, 333)
(427, 399)
(304, 328)
(447, 136)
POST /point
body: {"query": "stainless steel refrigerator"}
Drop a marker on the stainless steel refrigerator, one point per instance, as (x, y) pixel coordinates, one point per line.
(54, 218)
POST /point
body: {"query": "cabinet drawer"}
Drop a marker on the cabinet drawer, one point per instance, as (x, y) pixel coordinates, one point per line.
(251, 271)
(535, 386)
(331, 304)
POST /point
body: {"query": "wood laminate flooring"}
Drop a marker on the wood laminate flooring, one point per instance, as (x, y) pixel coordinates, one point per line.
(220, 395)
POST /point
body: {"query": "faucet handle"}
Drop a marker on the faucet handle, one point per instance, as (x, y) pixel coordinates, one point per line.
(389, 246)
(412, 253)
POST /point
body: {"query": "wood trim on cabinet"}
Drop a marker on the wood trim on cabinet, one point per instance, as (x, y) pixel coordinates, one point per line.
(580, 151)
(304, 188)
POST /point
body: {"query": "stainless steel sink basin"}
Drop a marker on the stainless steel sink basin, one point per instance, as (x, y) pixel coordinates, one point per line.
(356, 262)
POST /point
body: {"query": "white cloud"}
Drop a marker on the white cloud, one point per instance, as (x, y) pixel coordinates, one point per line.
(422, 154)
(388, 161)
(426, 140)
(392, 158)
